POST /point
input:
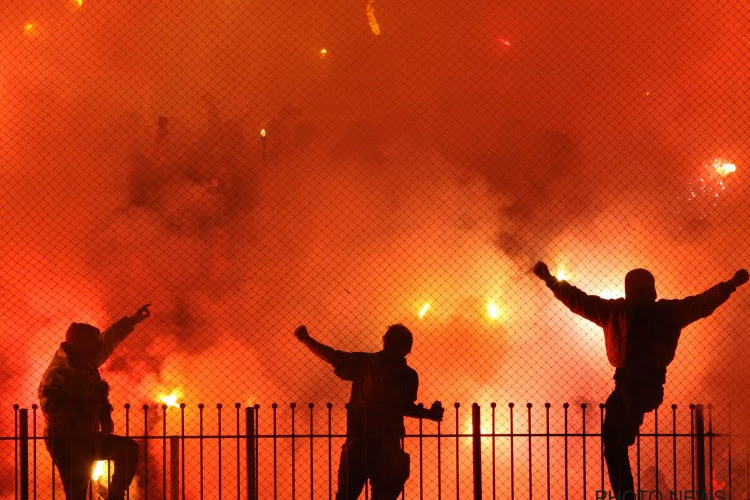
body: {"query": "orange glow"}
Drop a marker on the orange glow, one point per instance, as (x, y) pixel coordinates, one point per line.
(263, 133)
(423, 311)
(371, 20)
(562, 275)
(323, 53)
(171, 399)
(77, 3)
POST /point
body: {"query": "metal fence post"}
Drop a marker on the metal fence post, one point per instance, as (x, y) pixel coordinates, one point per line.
(252, 492)
(700, 451)
(476, 430)
(24, 452)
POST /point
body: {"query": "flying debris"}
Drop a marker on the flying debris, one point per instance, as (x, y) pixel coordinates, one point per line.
(323, 53)
(371, 20)
(704, 193)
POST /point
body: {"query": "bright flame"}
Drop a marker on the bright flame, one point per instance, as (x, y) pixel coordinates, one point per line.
(493, 311)
(78, 3)
(371, 20)
(263, 133)
(170, 399)
(424, 310)
(323, 53)
(562, 275)
(99, 472)
(723, 168)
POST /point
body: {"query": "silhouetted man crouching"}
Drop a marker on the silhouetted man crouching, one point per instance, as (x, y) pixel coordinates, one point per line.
(75, 402)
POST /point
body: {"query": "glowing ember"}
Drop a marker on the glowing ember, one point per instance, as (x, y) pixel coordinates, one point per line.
(77, 3)
(171, 399)
(30, 29)
(263, 133)
(424, 310)
(323, 53)
(493, 311)
(371, 20)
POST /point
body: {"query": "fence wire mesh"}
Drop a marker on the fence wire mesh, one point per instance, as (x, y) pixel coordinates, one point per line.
(249, 166)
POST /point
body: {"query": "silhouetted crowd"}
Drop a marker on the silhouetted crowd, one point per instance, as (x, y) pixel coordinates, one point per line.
(641, 335)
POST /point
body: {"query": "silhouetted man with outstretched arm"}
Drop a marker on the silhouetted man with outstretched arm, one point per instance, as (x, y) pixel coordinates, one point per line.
(75, 402)
(384, 389)
(641, 335)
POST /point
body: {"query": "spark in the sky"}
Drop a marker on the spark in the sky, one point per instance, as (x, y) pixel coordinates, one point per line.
(371, 20)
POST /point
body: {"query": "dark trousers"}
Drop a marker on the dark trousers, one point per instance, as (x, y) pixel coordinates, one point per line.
(383, 463)
(624, 411)
(74, 460)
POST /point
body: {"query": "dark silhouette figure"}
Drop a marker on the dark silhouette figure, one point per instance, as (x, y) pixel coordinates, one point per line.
(641, 335)
(75, 402)
(384, 389)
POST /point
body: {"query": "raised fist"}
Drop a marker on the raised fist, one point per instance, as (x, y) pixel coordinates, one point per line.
(301, 333)
(740, 277)
(437, 411)
(542, 271)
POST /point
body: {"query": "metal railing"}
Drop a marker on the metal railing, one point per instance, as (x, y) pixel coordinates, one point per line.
(491, 458)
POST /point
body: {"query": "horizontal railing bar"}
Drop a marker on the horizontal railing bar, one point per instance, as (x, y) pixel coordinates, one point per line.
(322, 436)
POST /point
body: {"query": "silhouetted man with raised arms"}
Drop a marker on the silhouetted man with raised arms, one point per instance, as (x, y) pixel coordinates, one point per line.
(75, 402)
(641, 335)
(384, 389)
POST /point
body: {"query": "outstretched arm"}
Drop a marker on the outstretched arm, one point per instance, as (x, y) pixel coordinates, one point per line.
(324, 352)
(702, 305)
(591, 307)
(121, 329)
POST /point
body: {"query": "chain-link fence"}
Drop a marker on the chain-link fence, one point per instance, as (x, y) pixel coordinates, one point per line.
(249, 166)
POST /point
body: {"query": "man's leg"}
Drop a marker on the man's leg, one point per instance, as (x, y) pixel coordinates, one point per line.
(123, 451)
(352, 474)
(390, 472)
(617, 435)
(73, 464)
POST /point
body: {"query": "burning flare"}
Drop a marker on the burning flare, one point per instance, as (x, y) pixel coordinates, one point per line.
(170, 399)
(723, 168)
(562, 275)
(424, 310)
(493, 311)
(263, 132)
(371, 20)
(100, 472)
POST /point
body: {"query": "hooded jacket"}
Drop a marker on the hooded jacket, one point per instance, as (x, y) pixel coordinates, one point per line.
(642, 337)
(72, 394)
